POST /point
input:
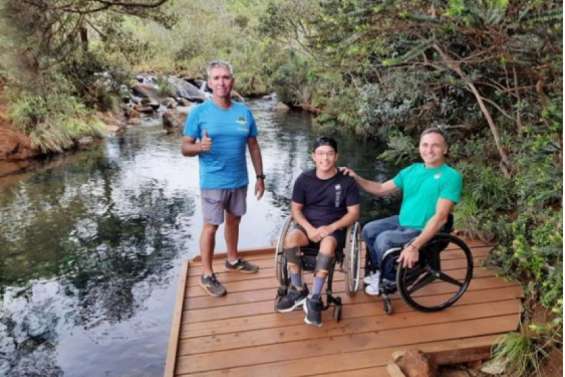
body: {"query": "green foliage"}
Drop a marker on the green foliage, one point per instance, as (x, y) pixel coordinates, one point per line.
(341, 104)
(524, 212)
(166, 89)
(290, 80)
(205, 31)
(53, 123)
(400, 149)
(520, 354)
(391, 103)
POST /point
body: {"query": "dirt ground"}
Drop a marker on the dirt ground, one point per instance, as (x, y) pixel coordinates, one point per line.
(553, 367)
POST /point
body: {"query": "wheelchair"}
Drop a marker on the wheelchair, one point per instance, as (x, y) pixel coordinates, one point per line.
(348, 259)
(439, 278)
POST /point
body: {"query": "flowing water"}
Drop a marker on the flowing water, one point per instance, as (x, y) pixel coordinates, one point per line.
(90, 246)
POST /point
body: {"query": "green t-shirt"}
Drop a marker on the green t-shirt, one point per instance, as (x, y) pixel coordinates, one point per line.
(421, 189)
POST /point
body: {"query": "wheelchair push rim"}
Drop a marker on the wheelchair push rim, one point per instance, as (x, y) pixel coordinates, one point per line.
(352, 260)
(281, 271)
(441, 276)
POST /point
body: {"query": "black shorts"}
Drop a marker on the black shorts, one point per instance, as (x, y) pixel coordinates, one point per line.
(339, 235)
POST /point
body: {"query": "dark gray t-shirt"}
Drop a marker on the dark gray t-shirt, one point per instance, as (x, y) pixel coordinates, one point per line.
(325, 200)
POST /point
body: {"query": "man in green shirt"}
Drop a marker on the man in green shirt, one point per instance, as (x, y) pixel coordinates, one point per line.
(430, 190)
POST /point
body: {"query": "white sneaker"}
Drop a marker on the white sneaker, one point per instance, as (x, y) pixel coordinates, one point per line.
(373, 289)
(375, 276)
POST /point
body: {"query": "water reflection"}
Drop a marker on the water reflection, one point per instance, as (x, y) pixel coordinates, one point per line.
(90, 249)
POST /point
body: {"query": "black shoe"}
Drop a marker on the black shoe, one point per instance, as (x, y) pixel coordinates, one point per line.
(293, 299)
(313, 310)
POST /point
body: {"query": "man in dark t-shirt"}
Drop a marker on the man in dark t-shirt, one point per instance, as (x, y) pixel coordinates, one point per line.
(324, 203)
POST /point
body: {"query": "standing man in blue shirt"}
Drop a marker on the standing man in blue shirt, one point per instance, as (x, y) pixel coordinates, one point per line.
(217, 131)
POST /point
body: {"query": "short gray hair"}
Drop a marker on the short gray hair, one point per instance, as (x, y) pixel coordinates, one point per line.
(219, 63)
(434, 130)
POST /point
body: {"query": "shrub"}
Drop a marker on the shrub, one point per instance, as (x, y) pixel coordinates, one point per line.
(54, 123)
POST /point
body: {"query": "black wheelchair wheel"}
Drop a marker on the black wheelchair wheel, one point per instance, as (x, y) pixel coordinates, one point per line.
(281, 271)
(352, 259)
(440, 277)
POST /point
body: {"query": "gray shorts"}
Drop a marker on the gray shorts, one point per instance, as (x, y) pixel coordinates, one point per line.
(216, 201)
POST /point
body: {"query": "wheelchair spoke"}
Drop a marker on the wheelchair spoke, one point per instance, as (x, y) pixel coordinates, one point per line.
(421, 282)
(448, 279)
(414, 273)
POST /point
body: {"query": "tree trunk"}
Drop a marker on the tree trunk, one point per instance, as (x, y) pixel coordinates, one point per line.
(505, 162)
(84, 38)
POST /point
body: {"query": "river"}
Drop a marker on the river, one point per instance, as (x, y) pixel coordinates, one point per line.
(90, 245)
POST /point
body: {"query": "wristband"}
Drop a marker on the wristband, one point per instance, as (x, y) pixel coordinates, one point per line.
(260, 176)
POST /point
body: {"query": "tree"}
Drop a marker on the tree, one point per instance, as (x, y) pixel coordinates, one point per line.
(491, 48)
(50, 31)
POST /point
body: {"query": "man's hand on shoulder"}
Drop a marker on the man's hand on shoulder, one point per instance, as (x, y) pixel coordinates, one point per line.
(348, 171)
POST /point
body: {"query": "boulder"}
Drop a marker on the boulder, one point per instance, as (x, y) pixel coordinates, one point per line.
(281, 107)
(173, 120)
(146, 91)
(415, 363)
(14, 145)
(187, 90)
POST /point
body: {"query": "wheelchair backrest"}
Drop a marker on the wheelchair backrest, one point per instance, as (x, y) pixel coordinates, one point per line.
(437, 244)
(448, 226)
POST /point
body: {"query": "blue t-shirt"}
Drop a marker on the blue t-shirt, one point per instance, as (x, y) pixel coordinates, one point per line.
(224, 166)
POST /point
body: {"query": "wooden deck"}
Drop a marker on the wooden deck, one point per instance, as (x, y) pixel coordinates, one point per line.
(241, 335)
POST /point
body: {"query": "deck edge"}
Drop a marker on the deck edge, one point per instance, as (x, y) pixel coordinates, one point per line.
(174, 337)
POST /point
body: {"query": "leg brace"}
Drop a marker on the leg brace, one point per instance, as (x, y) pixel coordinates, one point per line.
(324, 262)
(293, 255)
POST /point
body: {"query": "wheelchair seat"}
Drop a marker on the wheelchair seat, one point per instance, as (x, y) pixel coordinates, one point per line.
(347, 257)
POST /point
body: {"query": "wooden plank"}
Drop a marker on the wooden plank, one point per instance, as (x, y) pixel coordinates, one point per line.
(240, 335)
(174, 338)
(269, 271)
(229, 277)
(393, 370)
(270, 282)
(240, 310)
(249, 253)
(368, 308)
(248, 296)
(371, 323)
(265, 258)
(346, 362)
(356, 342)
(218, 266)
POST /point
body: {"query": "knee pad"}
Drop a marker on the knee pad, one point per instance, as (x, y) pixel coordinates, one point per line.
(293, 255)
(323, 262)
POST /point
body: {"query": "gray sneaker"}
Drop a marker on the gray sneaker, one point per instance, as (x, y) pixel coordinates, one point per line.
(242, 266)
(212, 286)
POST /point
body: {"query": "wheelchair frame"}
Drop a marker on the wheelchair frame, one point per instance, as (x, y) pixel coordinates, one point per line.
(425, 272)
(348, 259)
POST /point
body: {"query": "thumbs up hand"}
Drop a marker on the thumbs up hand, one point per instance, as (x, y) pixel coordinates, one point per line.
(205, 142)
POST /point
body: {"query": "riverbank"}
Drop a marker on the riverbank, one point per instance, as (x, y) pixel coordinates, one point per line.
(17, 152)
